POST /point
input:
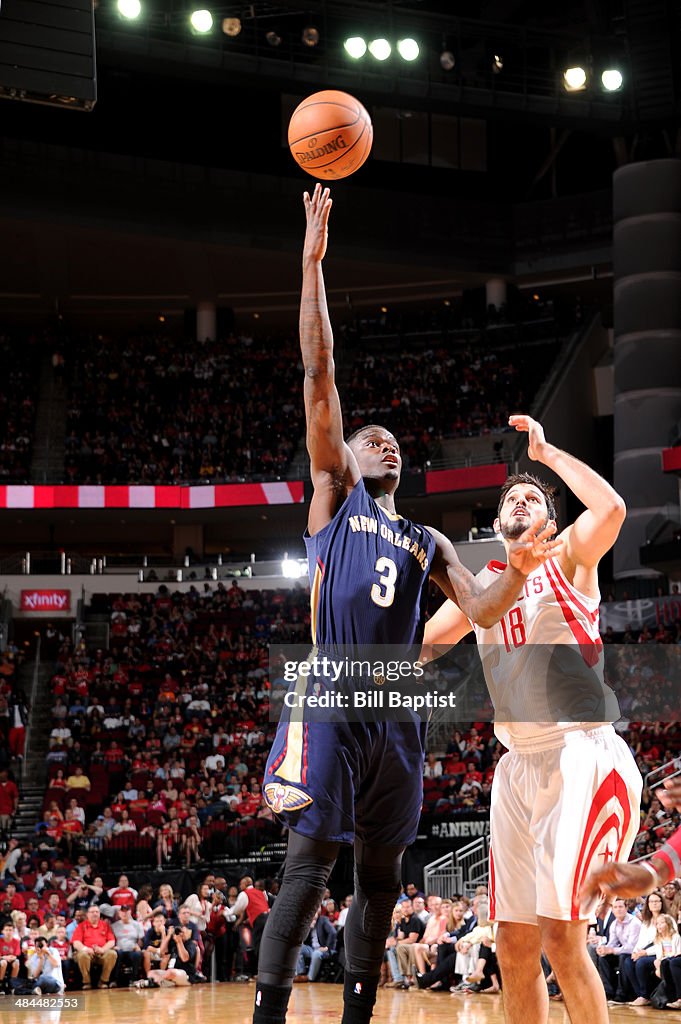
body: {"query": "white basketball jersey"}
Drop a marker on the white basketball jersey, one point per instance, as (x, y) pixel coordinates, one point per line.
(542, 658)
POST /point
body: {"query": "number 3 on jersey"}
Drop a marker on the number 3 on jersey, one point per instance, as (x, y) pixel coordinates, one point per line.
(513, 629)
(383, 592)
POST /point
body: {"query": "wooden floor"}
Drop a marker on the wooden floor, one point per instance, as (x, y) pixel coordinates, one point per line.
(310, 1004)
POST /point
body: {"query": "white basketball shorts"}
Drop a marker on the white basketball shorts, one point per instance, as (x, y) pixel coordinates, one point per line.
(555, 814)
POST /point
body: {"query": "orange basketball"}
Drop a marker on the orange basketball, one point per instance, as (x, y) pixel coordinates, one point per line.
(330, 134)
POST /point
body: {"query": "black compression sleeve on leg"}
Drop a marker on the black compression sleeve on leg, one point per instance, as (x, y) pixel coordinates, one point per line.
(306, 873)
(377, 886)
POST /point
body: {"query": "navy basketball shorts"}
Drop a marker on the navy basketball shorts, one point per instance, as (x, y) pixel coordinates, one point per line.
(334, 780)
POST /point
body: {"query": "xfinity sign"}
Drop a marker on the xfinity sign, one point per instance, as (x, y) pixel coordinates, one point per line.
(45, 600)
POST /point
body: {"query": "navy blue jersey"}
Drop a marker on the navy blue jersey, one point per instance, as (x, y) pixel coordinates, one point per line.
(338, 779)
(368, 576)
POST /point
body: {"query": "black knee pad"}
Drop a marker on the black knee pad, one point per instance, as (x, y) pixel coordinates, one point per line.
(377, 888)
(293, 910)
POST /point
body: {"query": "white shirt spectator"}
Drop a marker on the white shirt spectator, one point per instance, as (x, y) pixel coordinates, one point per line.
(128, 934)
(79, 814)
(11, 862)
(199, 911)
(198, 705)
(51, 967)
(215, 762)
(124, 826)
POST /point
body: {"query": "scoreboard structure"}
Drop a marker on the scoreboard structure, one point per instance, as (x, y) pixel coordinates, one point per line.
(47, 52)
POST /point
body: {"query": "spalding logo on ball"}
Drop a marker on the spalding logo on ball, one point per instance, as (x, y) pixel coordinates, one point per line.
(330, 134)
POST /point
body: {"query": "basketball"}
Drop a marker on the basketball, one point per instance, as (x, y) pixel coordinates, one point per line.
(330, 134)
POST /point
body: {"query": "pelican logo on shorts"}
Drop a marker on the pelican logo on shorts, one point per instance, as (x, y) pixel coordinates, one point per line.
(285, 798)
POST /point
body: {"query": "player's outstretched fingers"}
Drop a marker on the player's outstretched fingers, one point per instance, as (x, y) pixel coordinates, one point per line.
(670, 793)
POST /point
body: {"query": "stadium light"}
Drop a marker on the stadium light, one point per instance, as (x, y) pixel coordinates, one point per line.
(273, 38)
(574, 79)
(292, 569)
(447, 60)
(497, 64)
(408, 49)
(612, 79)
(201, 21)
(355, 47)
(380, 49)
(310, 36)
(130, 9)
(231, 27)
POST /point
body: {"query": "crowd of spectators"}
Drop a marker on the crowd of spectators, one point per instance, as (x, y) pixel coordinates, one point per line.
(427, 393)
(18, 393)
(62, 927)
(157, 410)
(160, 740)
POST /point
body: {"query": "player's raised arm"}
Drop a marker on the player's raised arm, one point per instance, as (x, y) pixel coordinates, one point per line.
(595, 531)
(332, 464)
(483, 605)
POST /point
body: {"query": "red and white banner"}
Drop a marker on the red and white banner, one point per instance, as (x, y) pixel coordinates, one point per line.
(286, 492)
(471, 478)
(45, 601)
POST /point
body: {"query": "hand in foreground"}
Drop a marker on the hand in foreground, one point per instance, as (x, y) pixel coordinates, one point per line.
(317, 209)
(669, 794)
(629, 880)
(536, 442)
(531, 549)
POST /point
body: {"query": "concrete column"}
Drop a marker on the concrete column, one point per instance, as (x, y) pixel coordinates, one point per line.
(206, 321)
(647, 314)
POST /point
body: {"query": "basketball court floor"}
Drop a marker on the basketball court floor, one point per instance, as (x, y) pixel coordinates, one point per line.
(310, 1004)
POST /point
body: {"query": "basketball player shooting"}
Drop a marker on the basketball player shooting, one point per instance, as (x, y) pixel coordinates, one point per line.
(358, 782)
(566, 795)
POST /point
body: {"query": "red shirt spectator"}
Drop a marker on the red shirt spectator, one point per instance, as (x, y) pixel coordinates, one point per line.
(9, 795)
(123, 895)
(93, 935)
(9, 947)
(11, 900)
(62, 947)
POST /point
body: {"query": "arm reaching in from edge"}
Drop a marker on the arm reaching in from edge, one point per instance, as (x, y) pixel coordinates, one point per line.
(333, 466)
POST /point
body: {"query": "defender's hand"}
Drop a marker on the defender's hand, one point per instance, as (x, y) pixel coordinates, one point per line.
(531, 550)
(317, 209)
(670, 794)
(628, 880)
(536, 445)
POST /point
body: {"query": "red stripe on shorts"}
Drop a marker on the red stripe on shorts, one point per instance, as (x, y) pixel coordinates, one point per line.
(612, 787)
